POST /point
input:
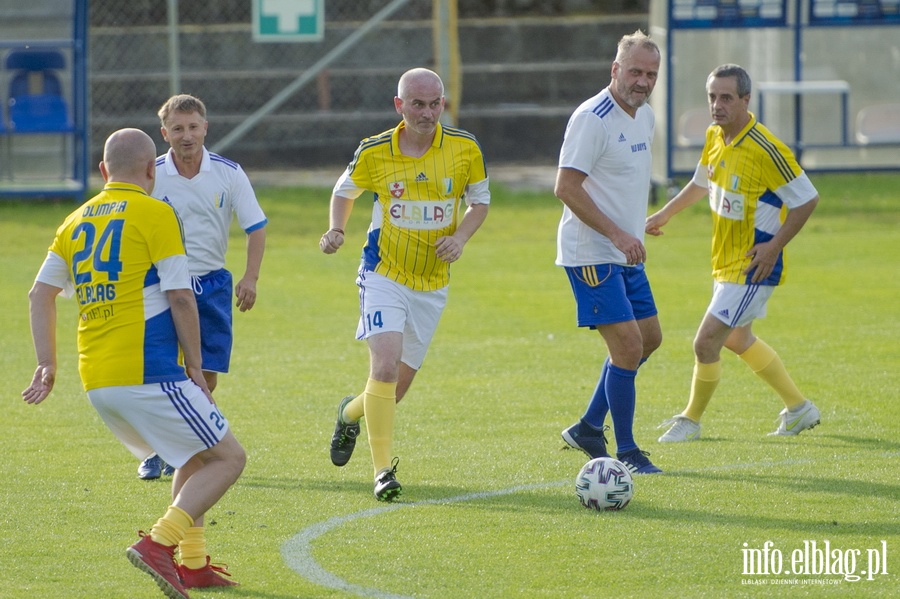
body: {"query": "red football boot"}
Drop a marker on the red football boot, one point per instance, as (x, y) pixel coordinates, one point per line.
(158, 561)
(210, 575)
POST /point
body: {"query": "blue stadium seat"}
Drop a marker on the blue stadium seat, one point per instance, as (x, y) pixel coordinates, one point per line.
(36, 101)
(41, 113)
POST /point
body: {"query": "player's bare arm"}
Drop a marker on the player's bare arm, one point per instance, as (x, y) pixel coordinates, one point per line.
(688, 196)
(42, 309)
(245, 290)
(333, 238)
(570, 191)
(187, 326)
(450, 247)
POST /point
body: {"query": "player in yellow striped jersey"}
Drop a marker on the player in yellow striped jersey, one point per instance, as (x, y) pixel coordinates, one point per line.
(121, 254)
(760, 199)
(431, 195)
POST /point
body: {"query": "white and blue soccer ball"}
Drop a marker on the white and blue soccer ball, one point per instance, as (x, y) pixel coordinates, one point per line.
(604, 484)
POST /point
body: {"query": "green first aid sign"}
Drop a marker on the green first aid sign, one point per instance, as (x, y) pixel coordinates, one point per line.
(288, 20)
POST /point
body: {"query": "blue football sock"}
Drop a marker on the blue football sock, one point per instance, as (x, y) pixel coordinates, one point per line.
(598, 407)
(620, 394)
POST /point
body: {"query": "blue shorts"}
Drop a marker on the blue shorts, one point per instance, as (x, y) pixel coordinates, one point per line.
(213, 292)
(609, 293)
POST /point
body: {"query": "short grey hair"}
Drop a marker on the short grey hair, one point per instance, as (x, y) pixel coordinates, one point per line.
(732, 70)
(629, 42)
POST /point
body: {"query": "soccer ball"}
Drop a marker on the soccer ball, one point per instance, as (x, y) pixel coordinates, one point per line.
(604, 484)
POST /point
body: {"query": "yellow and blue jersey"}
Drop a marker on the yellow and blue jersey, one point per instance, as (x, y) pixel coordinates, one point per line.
(752, 183)
(416, 201)
(111, 246)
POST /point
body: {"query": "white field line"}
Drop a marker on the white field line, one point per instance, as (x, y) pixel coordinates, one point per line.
(297, 551)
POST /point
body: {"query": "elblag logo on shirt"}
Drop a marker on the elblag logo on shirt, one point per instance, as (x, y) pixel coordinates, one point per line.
(430, 215)
(727, 204)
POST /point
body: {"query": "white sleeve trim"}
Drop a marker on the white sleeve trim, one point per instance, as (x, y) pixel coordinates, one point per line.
(797, 192)
(55, 272)
(478, 193)
(346, 188)
(174, 273)
(700, 179)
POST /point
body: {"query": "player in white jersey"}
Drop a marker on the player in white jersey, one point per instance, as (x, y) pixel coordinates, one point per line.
(760, 199)
(604, 183)
(122, 256)
(207, 191)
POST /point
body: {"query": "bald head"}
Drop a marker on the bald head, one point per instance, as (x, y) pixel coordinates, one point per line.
(129, 156)
(420, 100)
(419, 78)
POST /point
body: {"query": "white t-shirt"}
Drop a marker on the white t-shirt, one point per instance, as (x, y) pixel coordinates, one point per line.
(206, 204)
(613, 150)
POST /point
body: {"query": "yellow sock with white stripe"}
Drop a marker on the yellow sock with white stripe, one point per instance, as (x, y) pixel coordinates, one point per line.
(193, 548)
(703, 385)
(380, 401)
(765, 362)
(171, 528)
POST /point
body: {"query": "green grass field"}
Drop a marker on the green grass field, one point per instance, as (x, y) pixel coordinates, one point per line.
(488, 509)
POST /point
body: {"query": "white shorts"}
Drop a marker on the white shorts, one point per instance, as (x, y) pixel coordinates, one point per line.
(175, 419)
(387, 306)
(738, 305)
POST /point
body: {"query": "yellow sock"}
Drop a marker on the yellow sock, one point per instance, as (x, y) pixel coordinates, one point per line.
(380, 401)
(171, 528)
(193, 548)
(764, 361)
(703, 385)
(354, 409)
